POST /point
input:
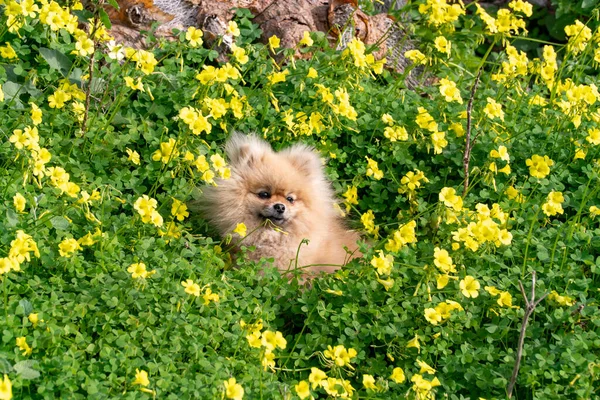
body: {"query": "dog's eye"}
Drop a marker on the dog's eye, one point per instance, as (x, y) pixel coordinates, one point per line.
(290, 199)
(264, 195)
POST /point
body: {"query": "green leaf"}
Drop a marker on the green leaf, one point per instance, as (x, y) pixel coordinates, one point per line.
(114, 4)
(12, 218)
(25, 369)
(491, 328)
(59, 223)
(585, 4)
(26, 305)
(12, 91)
(105, 19)
(56, 60)
(5, 366)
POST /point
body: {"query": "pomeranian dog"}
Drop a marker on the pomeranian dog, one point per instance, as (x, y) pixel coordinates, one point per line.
(282, 198)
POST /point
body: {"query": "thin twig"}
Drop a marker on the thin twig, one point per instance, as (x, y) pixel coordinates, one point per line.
(529, 307)
(468, 144)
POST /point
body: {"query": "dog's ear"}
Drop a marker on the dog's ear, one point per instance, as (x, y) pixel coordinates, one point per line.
(305, 159)
(245, 149)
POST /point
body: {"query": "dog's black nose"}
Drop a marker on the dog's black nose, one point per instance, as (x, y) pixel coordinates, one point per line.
(280, 208)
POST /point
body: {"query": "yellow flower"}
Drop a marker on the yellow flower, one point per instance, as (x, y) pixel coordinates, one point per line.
(357, 48)
(268, 360)
(58, 99)
(166, 152)
(5, 388)
(387, 283)
(505, 300)
(560, 300)
(23, 346)
(425, 368)
(21, 246)
(442, 279)
(8, 264)
(179, 210)
(133, 156)
(241, 229)
(272, 340)
(233, 390)
(469, 287)
(539, 167)
(138, 270)
(578, 35)
(274, 43)
(425, 120)
(84, 46)
(398, 375)
(302, 389)
(493, 109)
(146, 62)
(521, 6)
(513, 194)
(368, 221)
(316, 377)
(594, 210)
(254, 339)
(438, 139)
(277, 77)
(501, 153)
(369, 382)
(239, 54)
(191, 287)
(87, 240)
(306, 39)
(33, 318)
(449, 90)
(19, 202)
(208, 177)
(593, 136)
(209, 296)
(138, 85)
(7, 51)
(312, 73)
(492, 290)
(416, 57)
(387, 119)
(443, 45)
(146, 207)
(440, 12)
(443, 261)
(395, 133)
(194, 36)
(233, 30)
(373, 169)
(68, 247)
(432, 316)
(141, 378)
(553, 204)
(340, 355)
(383, 263)
(414, 343)
(423, 387)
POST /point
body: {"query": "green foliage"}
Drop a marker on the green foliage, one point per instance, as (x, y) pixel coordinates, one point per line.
(99, 284)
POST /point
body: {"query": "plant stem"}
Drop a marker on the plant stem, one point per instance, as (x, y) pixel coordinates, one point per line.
(529, 307)
(468, 143)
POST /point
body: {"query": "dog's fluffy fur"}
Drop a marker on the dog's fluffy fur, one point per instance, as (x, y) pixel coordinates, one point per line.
(282, 198)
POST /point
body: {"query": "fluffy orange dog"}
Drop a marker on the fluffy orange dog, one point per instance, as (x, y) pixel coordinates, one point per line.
(282, 198)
